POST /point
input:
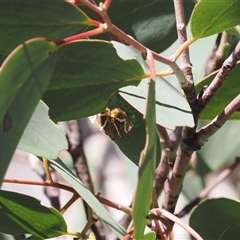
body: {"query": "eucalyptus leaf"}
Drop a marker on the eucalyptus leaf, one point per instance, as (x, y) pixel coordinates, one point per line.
(172, 108)
(152, 23)
(24, 77)
(42, 137)
(209, 18)
(216, 219)
(22, 19)
(87, 73)
(88, 197)
(24, 214)
(143, 196)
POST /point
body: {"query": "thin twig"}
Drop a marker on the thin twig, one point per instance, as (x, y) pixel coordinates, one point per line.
(221, 76)
(108, 26)
(205, 132)
(155, 213)
(37, 183)
(69, 203)
(204, 193)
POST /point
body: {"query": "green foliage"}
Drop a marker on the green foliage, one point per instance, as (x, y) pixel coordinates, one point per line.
(41, 136)
(217, 219)
(87, 196)
(59, 56)
(84, 67)
(22, 20)
(147, 167)
(24, 214)
(167, 113)
(22, 86)
(209, 18)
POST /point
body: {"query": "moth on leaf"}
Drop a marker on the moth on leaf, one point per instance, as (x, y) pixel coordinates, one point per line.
(114, 123)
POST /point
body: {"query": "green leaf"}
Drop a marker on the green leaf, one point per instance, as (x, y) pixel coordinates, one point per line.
(222, 148)
(87, 73)
(24, 76)
(209, 18)
(172, 108)
(24, 214)
(143, 194)
(216, 219)
(22, 19)
(42, 137)
(88, 197)
(150, 236)
(225, 94)
(152, 23)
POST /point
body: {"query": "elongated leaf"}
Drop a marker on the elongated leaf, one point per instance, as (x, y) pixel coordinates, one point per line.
(24, 214)
(88, 197)
(151, 22)
(42, 137)
(216, 219)
(87, 74)
(172, 108)
(24, 76)
(22, 19)
(143, 194)
(225, 94)
(209, 18)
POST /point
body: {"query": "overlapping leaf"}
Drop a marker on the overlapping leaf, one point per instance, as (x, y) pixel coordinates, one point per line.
(147, 168)
(88, 197)
(24, 76)
(42, 137)
(150, 22)
(172, 108)
(87, 73)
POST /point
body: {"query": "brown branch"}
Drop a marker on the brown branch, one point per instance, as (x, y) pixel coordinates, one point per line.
(221, 76)
(37, 183)
(167, 159)
(186, 65)
(81, 167)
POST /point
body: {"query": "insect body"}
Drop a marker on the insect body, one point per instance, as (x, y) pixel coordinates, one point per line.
(114, 123)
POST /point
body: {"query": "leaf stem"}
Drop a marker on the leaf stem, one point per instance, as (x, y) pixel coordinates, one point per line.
(101, 29)
(47, 170)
